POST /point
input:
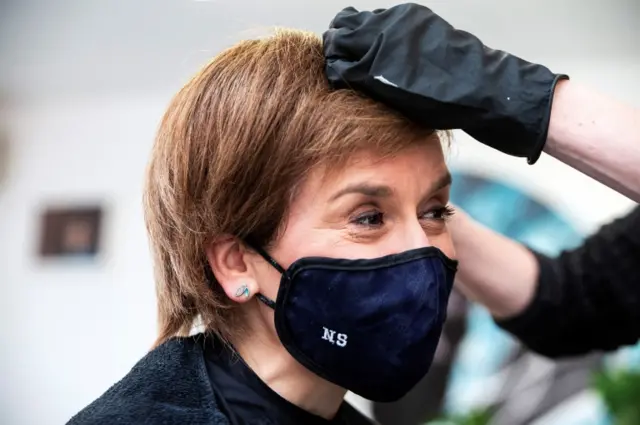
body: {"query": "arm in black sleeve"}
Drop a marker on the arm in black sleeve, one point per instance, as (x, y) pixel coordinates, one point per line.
(587, 299)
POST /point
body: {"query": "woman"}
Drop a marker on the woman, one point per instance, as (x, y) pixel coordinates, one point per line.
(303, 229)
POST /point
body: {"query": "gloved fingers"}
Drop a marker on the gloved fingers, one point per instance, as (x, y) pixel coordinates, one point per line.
(352, 33)
(352, 18)
(344, 43)
(349, 17)
(336, 71)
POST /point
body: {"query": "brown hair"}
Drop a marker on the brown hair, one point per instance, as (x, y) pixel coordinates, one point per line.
(232, 146)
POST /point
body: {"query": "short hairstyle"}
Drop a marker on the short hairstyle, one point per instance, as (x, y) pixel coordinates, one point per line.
(233, 145)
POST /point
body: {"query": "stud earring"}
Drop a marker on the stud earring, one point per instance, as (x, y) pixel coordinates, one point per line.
(242, 291)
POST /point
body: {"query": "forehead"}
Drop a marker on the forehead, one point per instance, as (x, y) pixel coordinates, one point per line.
(418, 165)
(413, 161)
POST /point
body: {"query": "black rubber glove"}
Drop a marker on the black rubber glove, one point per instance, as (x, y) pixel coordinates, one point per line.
(414, 61)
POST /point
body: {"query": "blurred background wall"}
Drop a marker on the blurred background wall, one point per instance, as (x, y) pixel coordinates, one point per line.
(83, 85)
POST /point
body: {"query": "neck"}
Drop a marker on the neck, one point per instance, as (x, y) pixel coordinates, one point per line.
(261, 349)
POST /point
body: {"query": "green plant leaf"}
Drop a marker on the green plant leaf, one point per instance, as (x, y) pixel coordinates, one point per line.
(475, 417)
(620, 391)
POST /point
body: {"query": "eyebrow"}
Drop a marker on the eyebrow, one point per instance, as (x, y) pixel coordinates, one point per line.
(443, 181)
(383, 191)
(374, 191)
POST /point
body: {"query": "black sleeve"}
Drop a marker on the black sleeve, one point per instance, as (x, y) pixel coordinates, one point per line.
(587, 299)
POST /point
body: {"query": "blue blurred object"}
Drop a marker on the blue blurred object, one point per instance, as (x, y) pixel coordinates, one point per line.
(490, 367)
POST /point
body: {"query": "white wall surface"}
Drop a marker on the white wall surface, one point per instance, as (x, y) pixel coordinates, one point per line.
(54, 48)
(71, 330)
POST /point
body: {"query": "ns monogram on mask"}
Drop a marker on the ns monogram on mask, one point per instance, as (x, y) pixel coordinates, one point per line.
(333, 337)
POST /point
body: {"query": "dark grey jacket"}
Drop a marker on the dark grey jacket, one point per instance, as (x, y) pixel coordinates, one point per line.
(168, 386)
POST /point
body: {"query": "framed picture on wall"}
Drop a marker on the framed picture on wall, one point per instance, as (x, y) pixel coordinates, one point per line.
(71, 232)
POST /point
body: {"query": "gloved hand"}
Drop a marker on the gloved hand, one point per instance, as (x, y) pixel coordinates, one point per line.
(413, 60)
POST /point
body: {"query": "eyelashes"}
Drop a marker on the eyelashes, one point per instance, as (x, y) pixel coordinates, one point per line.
(368, 219)
(375, 218)
(442, 213)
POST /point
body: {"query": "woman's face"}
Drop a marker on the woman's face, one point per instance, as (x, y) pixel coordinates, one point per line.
(371, 208)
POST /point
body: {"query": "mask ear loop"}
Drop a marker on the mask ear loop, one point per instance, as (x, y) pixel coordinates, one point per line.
(267, 257)
(268, 302)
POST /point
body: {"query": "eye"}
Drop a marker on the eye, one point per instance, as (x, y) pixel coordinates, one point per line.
(369, 219)
(441, 213)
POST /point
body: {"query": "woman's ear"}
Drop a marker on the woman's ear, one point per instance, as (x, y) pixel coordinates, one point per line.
(227, 258)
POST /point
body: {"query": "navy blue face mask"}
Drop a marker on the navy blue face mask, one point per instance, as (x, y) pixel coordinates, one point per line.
(370, 326)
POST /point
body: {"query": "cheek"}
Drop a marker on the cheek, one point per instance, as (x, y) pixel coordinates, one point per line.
(311, 242)
(306, 236)
(444, 243)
